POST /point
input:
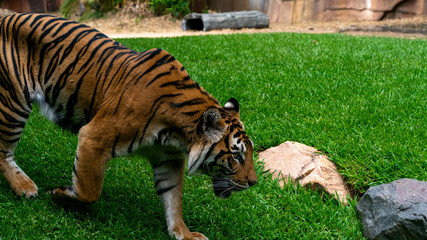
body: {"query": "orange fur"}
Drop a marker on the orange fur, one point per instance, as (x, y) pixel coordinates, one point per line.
(120, 102)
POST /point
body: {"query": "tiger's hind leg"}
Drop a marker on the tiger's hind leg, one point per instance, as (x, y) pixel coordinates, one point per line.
(168, 173)
(10, 133)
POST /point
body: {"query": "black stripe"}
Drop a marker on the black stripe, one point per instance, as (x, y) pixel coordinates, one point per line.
(15, 53)
(113, 152)
(36, 19)
(9, 134)
(133, 141)
(149, 54)
(188, 86)
(180, 84)
(61, 81)
(77, 39)
(17, 39)
(162, 97)
(210, 151)
(234, 147)
(52, 66)
(160, 75)
(55, 43)
(118, 104)
(158, 181)
(148, 123)
(206, 156)
(162, 61)
(75, 171)
(174, 83)
(102, 76)
(220, 154)
(164, 190)
(89, 114)
(94, 51)
(12, 125)
(190, 113)
(47, 23)
(237, 134)
(62, 26)
(11, 119)
(130, 57)
(195, 101)
(72, 100)
(10, 141)
(7, 103)
(163, 133)
(45, 32)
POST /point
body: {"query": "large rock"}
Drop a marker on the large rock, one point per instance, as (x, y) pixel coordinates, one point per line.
(304, 164)
(396, 210)
(292, 11)
(371, 9)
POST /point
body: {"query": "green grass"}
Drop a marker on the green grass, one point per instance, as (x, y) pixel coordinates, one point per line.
(363, 101)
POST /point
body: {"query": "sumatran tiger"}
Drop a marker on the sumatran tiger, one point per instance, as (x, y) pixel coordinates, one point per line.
(120, 102)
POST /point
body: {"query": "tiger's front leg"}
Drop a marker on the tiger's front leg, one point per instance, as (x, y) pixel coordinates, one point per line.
(168, 179)
(89, 168)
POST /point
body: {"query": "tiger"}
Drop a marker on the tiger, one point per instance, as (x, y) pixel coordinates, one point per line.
(119, 102)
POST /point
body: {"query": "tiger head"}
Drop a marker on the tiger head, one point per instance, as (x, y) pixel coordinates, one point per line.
(224, 152)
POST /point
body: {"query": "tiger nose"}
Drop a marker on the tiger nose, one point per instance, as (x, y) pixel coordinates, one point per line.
(251, 183)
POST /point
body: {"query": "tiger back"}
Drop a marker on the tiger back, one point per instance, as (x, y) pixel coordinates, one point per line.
(120, 102)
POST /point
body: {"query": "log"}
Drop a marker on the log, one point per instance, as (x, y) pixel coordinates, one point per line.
(232, 20)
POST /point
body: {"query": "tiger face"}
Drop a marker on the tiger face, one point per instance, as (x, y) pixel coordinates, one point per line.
(228, 156)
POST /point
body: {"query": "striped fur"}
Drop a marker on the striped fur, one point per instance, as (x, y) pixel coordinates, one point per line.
(120, 102)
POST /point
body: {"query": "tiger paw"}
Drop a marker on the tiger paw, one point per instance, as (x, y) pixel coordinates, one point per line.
(63, 194)
(28, 191)
(25, 187)
(196, 236)
(185, 234)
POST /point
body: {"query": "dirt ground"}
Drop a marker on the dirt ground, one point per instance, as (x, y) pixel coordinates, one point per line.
(137, 21)
(134, 21)
(116, 25)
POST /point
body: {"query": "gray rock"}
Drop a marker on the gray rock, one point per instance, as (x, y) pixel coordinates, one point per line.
(396, 210)
(233, 20)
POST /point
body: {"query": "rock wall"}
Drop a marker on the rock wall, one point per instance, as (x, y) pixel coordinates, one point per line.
(291, 11)
(372, 9)
(30, 5)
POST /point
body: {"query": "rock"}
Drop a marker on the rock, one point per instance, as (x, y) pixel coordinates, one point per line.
(304, 164)
(367, 10)
(232, 20)
(396, 210)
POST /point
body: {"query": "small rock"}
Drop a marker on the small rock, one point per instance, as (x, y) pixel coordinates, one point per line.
(396, 210)
(304, 164)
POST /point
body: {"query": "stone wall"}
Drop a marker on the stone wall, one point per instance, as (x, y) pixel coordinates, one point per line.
(30, 5)
(291, 11)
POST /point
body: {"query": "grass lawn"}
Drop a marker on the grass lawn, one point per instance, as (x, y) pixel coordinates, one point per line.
(361, 100)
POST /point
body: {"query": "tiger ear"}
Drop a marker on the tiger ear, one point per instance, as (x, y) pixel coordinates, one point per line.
(212, 126)
(232, 106)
